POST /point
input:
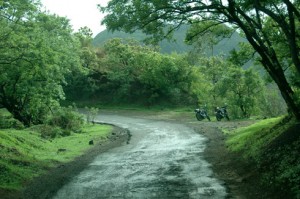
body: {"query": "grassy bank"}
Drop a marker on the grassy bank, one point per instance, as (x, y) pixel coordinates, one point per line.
(273, 146)
(25, 154)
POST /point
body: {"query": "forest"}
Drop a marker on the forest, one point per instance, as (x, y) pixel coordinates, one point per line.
(45, 66)
(42, 68)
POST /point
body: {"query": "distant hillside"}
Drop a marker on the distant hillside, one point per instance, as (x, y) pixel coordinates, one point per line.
(168, 46)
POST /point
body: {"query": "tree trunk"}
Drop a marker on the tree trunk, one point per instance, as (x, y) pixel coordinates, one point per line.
(286, 91)
(289, 97)
(15, 110)
(270, 62)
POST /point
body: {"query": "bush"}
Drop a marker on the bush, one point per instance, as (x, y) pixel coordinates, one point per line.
(282, 169)
(91, 114)
(7, 121)
(67, 119)
(48, 131)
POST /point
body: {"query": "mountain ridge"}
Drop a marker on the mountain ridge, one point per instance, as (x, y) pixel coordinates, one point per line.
(178, 46)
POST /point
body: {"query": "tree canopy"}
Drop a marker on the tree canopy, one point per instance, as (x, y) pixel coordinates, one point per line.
(270, 27)
(37, 50)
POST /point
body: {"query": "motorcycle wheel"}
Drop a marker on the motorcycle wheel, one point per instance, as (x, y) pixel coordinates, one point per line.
(218, 118)
(199, 117)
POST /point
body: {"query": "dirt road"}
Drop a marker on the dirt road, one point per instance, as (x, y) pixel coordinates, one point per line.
(162, 160)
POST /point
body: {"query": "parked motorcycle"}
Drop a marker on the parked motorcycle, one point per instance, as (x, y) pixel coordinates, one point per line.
(201, 114)
(221, 113)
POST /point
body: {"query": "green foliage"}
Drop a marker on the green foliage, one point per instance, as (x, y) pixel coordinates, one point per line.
(127, 72)
(7, 121)
(37, 51)
(131, 72)
(48, 131)
(284, 171)
(25, 154)
(81, 82)
(244, 89)
(272, 104)
(222, 82)
(273, 146)
(242, 55)
(269, 26)
(251, 139)
(91, 114)
(205, 37)
(67, 119)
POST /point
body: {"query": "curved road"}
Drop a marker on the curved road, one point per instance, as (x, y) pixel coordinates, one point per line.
(162, 160)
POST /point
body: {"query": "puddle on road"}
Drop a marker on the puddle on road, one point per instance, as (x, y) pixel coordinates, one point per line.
(163, 160)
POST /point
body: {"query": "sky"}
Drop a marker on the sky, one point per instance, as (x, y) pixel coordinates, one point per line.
(80, 12)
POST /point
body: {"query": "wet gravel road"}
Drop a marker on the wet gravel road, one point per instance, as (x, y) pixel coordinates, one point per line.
(162, 160)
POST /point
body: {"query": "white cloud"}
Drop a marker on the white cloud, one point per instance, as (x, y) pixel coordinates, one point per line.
(80, 12)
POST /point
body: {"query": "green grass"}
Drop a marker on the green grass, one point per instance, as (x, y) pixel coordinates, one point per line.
(4, 113)
(272, 146)
(252, 139)
(24, 154)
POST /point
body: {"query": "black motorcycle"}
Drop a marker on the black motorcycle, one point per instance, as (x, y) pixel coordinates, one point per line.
(201, 114)
(221, 113)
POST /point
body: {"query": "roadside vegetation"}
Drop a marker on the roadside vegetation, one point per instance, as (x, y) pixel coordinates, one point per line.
(45, 66)
(29, 152)
(273, 147)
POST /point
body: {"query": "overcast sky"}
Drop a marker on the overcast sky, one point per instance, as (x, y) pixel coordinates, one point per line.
(80, 12)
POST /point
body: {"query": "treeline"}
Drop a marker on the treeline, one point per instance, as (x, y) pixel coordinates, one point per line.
(43, 62)
(127, 72)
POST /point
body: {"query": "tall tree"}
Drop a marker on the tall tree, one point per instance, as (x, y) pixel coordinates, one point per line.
(244, 89)
(37, 50)
(161, 17)
(79, 82)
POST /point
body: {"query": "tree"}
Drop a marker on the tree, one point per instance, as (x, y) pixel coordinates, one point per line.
(243, 88)
(37, 50)
(202, 42)
(214, 69)
(251, 17)
(138, 73)
(228, 83)
(81, 79)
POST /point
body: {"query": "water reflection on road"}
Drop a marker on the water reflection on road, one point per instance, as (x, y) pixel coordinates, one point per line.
(163, 160)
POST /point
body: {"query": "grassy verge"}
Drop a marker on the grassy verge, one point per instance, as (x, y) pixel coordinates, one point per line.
(252, 139)
(273, 146)
(25, 154)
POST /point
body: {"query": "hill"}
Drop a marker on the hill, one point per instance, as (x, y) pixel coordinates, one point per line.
(166, 46)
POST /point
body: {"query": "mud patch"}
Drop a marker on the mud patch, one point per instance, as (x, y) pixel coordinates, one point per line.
(241, 178)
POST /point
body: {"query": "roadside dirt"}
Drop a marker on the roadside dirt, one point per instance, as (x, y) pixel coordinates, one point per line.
(240, 178)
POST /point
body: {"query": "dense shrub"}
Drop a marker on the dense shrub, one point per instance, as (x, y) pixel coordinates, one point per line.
(7, 121)
(281, 168)
(67, 119)
(48, 131)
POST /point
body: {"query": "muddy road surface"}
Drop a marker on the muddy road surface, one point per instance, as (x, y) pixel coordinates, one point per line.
(162, 160)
